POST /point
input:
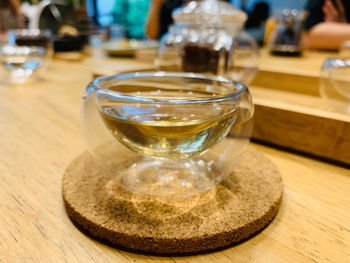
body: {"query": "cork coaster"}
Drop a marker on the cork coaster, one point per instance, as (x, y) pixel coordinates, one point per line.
(234, 210)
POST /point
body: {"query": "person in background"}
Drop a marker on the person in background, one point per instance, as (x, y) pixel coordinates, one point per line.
(159, 17)
(132, 15)
(255, 24)
(10, 15)
(327, 24)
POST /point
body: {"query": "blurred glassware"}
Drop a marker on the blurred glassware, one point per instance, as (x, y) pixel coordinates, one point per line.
(335, 82)
(286, 35)
(344, 50)
(22, 63)
(207, 38)
(116, 32)
(97, 36)
(30, 37)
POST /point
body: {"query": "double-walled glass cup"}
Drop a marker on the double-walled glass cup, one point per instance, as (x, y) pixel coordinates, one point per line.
(30, 37)
(22, 63)
(335, 82)
(166, 134)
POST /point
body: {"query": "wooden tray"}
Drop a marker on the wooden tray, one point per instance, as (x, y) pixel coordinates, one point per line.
(289, 111)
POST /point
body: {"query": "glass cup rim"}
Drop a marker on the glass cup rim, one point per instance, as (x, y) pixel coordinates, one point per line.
(95, 84)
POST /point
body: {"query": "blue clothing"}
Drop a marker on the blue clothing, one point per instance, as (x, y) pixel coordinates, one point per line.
(132, 16)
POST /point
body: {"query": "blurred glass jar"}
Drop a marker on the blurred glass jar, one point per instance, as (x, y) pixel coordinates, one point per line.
(286, 35)
(207, 39)
(335, 82)
(32, 38)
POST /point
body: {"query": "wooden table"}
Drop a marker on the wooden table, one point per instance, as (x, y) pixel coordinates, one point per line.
(40, 135)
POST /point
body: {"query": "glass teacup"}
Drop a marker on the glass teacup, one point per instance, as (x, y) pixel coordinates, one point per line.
(335, 82)
(30, 37)
(22, 63)
(165, 134)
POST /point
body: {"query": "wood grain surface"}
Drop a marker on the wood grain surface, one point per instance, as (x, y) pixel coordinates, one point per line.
(302, 123)
(290, 112)
(293, 74)
(40, 135)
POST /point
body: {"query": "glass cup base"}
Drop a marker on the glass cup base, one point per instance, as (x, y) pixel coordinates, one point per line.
(169, 178)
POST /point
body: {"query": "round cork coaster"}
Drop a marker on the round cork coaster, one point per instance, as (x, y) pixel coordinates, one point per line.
(234, 210)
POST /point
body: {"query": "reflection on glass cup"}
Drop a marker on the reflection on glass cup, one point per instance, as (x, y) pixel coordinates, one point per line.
(21, 63)
(165, 134)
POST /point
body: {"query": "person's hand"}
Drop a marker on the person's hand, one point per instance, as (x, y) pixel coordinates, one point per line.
(332, 13)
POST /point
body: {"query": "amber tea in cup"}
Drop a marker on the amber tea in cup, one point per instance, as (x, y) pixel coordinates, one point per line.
(172, 127)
